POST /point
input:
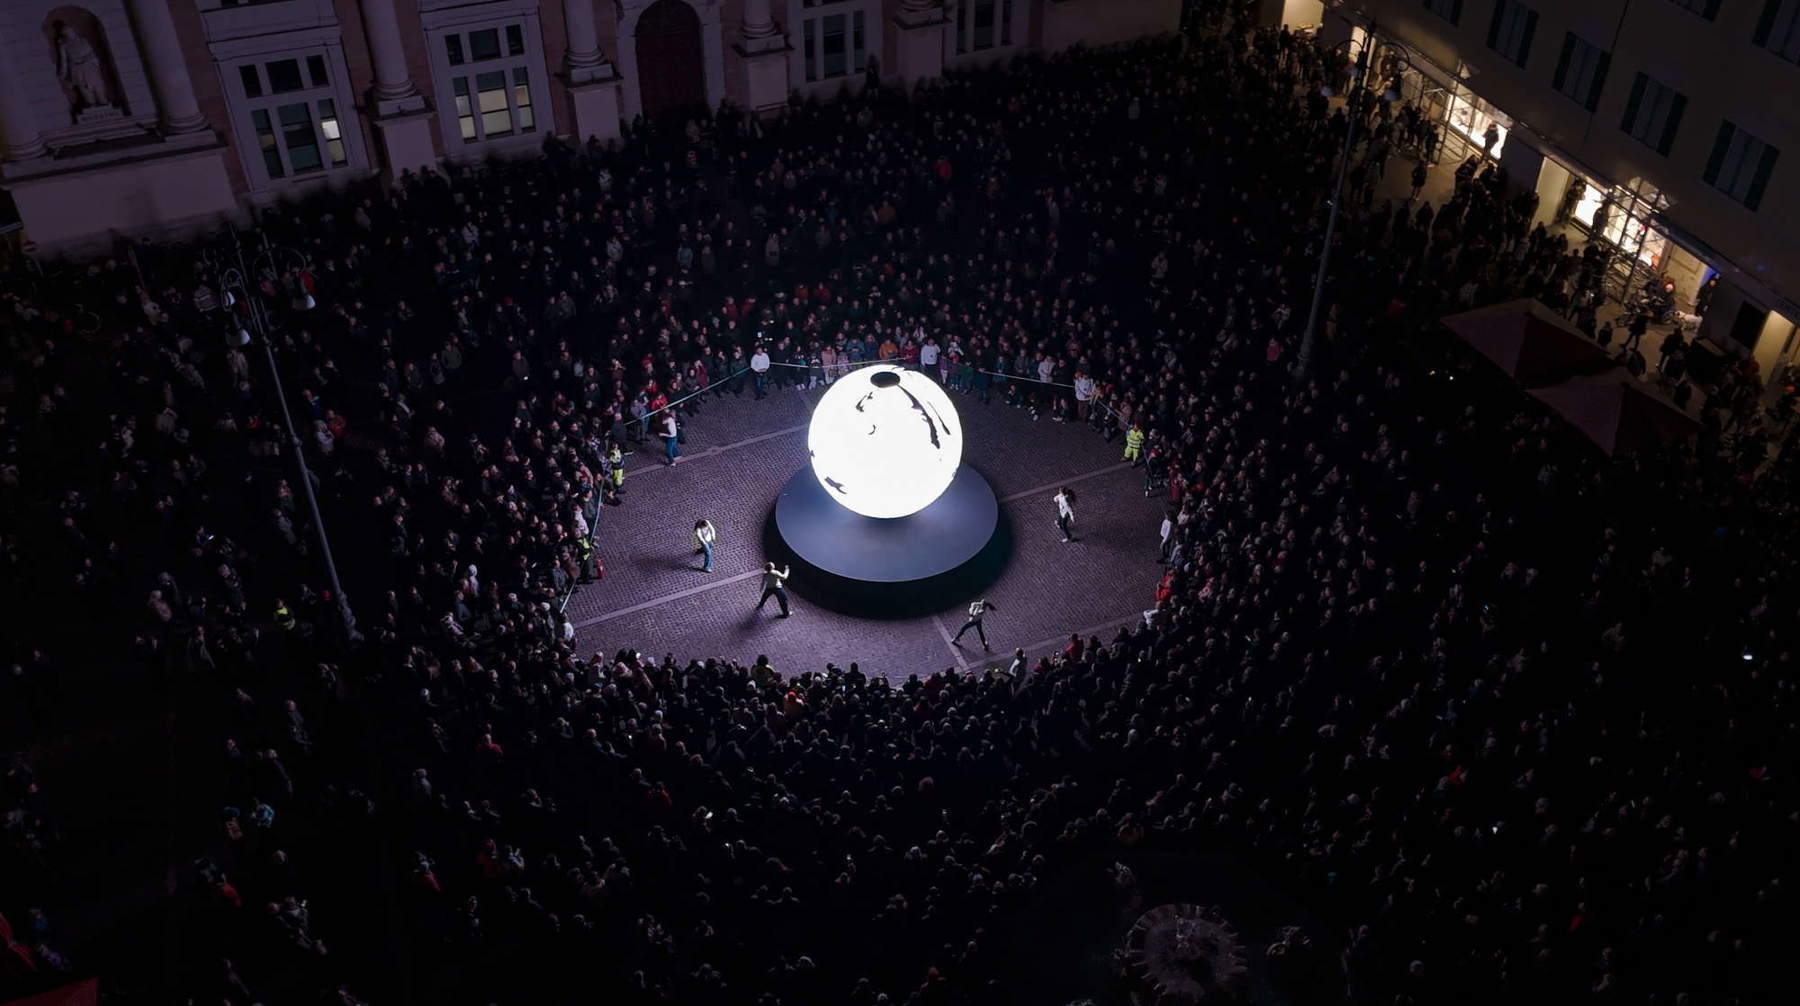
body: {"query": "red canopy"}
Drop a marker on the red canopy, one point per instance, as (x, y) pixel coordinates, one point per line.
(1533, 344)
(1618, 412)
(82, 993)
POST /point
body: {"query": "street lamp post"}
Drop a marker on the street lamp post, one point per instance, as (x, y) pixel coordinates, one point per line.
(1309, 337)
(255, 317)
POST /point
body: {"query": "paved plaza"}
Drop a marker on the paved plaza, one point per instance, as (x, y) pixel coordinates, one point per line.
(740, 452)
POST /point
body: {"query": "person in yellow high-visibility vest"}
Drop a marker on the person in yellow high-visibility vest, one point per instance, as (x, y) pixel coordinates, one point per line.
(284, 618)
(617, 457)
(1134, 444)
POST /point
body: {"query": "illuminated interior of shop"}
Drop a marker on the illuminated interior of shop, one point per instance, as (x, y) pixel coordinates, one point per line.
(1471, 116)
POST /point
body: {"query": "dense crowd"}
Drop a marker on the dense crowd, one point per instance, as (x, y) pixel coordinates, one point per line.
(1512, 721)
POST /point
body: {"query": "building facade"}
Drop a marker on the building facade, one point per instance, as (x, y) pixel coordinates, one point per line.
(1670, 128)
(131, 116)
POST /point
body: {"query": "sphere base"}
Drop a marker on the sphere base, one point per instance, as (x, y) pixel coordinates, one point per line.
(897, 567)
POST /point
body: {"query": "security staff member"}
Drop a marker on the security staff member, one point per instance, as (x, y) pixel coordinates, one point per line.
(584, 556)
(1134, 444)
(284, 618)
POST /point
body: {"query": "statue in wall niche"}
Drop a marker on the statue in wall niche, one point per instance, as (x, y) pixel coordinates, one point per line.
(81, 70)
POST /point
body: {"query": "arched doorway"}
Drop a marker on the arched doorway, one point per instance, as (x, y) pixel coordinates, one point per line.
(671, 69)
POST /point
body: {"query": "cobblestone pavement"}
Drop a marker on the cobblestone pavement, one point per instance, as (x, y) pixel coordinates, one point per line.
(740, 452)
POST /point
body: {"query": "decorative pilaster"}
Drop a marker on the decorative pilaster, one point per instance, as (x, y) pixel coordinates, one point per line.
(919, 43)
(592, 82)
(177, 107)
(402, 117)
(394, 91)
(764, 48)
(760, 32)
(585, 60)
(20, 139)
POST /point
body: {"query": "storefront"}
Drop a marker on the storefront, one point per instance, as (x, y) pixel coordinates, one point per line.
(1467, 116)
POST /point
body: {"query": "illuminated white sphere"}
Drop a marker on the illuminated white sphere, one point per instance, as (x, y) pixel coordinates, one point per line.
(885, 441)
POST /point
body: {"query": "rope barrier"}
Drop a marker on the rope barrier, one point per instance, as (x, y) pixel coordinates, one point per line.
(845, 368)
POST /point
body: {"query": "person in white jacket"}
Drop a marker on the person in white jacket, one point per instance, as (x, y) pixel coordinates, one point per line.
(704, 537)
(1065, 513)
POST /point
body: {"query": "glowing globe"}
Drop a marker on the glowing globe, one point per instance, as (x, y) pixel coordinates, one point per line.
(885, 441)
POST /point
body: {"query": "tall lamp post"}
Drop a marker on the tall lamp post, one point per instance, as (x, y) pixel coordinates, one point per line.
(1359, 70)
(251, 317)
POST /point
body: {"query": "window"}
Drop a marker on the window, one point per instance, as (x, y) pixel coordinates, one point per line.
(484, 45)
(1653, 114)
(1449, 10)
(983, 24)
(465, 111)
(522, 99)
(1509, 33)
(284, 76)
(265, 139)
(1707, 9)
(490, 98)
(298, 137)
(334, 139)
(1740, 165)
(488, 107)
(1581, 71)
(291, 109)
(493, 99)
(1778, 29)
(835, 43)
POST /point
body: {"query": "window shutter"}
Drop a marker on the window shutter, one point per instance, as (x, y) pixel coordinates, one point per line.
(1525, 43)
(1562, 62)
(1456, 11)
(1600, 67)
(1677, 104)
(1765, 23)
(1494, 24)
(1764, 169)
(1717, 160)
(1631, 103)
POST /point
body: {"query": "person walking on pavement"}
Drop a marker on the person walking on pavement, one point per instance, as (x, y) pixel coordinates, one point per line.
(671, 438)
(1065, 513)
(977, 611)
(704, 537)
(774, 583)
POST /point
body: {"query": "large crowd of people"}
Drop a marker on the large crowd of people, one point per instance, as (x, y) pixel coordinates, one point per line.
(1513, 720)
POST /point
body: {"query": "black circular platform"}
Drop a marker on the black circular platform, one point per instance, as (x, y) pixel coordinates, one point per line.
(904, 565)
